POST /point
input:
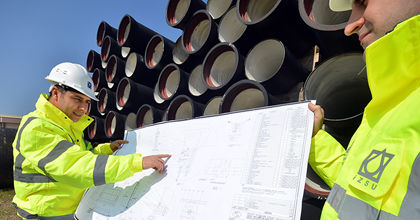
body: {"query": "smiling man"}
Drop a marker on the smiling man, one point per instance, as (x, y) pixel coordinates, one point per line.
(54, 165)
(378, 176)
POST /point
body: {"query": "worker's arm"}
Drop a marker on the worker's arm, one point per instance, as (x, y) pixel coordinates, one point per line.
(326, 154)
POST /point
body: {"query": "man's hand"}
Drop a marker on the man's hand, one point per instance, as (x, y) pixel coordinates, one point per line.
(318, 117)
(117, 144)
(155, 161)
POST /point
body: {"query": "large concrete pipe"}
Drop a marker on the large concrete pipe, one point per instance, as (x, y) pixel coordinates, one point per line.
(278, 19)
(130, 121)
(184, 107)
(115, 70)
(222, 67)
(93, 61)
(271, 64)
(172, 82)
(104, 30)
(217, 8)
(93, 109)
(246, 94)
(329, 26)
(185, 61)
(339, 85)
(198, 89)
(131, 95)
(99, 79)
(133, 35)
(7, 136)
(212, 107)
(179, 12)
(115, 125)
(158, 53)
(200, 35)
(136, 70)
(147, 115)
(231, 30)
(110, 48)
(106, 103)
(96, 131)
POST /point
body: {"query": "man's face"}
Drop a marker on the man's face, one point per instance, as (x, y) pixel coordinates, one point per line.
(372, 19)
(73, 104)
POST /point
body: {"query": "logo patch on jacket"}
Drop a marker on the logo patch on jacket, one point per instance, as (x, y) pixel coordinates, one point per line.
(374, 165)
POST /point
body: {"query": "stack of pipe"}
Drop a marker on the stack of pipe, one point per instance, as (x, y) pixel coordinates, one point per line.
(231, 56)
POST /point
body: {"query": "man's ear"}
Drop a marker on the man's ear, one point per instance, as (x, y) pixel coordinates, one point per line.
(55, 92)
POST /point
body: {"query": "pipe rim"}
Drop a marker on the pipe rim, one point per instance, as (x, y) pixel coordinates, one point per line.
(179, 56)
(199, 17)
(123, 92)
(103, 100)
(100, 34)
(306, 13)
(245, 16)
(111, 68)
(171, 12)
(233, 91)
(95, 79)
(315, 71)
(211, 58)
(230, 27)
(175, 104)
(250, 57)
(196, 84)
(156, 94)
(141, 114)
(110, 124)
(212, 4)
(90, 60)
(163, 80)
(92, 128)
(106, 48)
(151, 50)
(124, 29)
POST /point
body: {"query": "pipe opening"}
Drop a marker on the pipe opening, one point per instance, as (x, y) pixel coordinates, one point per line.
(340, 86)
(111, 124)
(169, 82)
(92, 129)
(130, 122)
(154, 52)
(111, 68)
(130, 65)
(177, 10)
(243, 96)
(230, 28)
(95, 79)
(197, 32)
(253, 10)
(144, 117)
(196, 85)
(156, 96)
(320, 12)
(123, 92)
(180, 109)
(124, 30)
(103, 100)
(90, 60)
(264, 60)
(217, 8)
(219, 66)
(179, 56)
(106, 47)
(212, 107)
(101, 34)
(125, 51)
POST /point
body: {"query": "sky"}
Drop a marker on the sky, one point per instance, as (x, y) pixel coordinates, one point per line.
(36, 35)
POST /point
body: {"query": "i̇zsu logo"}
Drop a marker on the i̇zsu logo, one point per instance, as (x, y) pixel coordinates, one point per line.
(372, 168)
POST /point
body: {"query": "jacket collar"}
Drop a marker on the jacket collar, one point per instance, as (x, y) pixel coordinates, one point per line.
(393, 64)
(51, 112)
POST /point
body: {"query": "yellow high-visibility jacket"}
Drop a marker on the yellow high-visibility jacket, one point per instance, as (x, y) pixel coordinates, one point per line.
(378, 177)
(53, 165)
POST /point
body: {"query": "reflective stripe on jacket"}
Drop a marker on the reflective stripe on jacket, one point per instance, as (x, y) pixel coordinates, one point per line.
(379, 175)
(54, 165)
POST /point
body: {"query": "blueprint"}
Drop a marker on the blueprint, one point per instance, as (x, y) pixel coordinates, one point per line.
(242, 165)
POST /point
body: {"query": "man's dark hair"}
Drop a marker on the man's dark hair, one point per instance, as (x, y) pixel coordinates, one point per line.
(63, 89)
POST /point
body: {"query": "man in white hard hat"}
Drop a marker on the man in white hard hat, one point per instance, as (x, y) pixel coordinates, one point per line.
(53, 164)
(378, 176)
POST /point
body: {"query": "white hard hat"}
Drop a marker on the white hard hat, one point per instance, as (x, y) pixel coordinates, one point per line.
(340, 5)
(74, 76)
